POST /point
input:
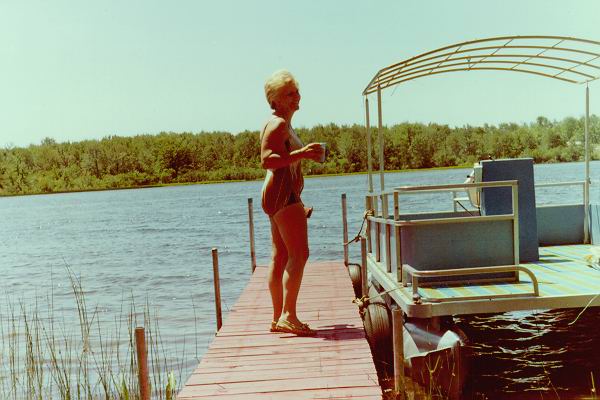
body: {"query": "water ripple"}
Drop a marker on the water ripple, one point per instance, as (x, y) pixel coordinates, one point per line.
(154, 246)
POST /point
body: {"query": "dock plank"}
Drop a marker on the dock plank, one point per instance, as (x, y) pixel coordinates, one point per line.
(246, 361)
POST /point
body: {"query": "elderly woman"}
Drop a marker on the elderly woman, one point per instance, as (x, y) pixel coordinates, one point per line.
(281, 153)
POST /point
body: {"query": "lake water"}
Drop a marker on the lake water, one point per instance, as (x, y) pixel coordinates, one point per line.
(154, 245)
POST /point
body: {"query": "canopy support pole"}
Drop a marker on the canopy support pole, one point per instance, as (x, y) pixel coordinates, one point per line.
(586, 190)
(380, 136)
(369, 157)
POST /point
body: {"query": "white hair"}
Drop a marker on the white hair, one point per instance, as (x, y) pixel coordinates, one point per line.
(275, 82)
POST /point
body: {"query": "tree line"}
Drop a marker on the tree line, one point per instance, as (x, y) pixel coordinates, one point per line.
(118, 162)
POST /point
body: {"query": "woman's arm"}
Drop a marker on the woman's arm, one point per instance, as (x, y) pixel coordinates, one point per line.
(274, 154)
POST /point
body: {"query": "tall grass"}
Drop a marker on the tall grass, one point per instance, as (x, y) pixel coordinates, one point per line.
(48, 353)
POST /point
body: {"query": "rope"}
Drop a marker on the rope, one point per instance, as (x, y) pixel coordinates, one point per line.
(362, 301)
(590, 262)
(382, 293)
(588, 258)
(368, 213)
(464, 208)
(584, 308)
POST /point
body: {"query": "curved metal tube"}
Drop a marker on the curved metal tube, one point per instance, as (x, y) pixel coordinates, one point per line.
(442, 57)
(416, 274)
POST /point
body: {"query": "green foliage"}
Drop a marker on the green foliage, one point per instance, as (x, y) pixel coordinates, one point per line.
(117, 162)
(170, 391)
(92, 359)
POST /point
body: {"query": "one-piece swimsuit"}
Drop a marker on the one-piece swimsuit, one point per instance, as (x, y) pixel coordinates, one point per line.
(283, 186)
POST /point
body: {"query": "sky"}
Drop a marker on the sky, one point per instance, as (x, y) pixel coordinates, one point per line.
(79, 70)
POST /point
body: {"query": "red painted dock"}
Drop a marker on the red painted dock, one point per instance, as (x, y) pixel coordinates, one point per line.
(246, 361)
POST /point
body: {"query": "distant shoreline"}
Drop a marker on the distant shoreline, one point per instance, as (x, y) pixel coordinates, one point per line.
(158, 185)
(170, 158)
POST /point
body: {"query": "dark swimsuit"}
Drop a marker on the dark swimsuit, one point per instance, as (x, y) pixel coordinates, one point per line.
(292, 199)
(285, 186)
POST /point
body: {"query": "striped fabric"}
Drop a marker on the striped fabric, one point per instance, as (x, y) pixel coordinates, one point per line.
(561, 271)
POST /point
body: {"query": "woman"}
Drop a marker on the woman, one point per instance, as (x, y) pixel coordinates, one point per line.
(281, 152)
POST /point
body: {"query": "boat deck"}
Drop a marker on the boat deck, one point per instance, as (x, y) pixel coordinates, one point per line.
(565, 279)
(246, 361)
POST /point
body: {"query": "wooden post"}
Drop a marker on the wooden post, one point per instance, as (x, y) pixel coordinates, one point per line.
(398, 341)
(363, 268)
(142, 359)
(251, 227)
(345, 228)
(215, 258)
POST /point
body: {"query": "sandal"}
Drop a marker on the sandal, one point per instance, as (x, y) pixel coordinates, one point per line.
(297, 329)
(274, 327)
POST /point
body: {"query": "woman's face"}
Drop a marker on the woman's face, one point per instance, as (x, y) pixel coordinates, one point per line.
(288, 98)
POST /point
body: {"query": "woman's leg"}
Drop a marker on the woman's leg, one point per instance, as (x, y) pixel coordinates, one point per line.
(279, 260)
(291, 224)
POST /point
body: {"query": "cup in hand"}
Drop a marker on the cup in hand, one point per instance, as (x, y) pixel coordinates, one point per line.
(324, 155)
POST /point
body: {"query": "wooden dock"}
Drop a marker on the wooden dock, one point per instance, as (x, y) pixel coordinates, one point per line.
(246, 361)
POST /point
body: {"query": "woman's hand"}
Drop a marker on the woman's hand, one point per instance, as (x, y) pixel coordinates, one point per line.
(313, 151)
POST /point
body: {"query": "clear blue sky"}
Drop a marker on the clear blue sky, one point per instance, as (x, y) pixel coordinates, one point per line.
(75, 70)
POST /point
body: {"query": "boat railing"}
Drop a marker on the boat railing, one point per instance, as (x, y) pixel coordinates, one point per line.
(458, 198)
(550, 184)
(415, 274)
(564, 184)
(384, 228)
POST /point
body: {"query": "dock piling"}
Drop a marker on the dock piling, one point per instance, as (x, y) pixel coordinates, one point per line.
(363, 267)
(251, 228)
(142, 359)
(345, 228)
(215, 258)
(398, 343)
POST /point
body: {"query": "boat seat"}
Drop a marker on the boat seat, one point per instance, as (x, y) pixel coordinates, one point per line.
(496, 201)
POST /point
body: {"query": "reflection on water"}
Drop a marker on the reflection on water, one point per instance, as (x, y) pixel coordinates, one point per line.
(154, 245)
(552, 353)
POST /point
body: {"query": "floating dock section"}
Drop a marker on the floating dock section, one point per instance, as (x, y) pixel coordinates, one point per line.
(246, 361)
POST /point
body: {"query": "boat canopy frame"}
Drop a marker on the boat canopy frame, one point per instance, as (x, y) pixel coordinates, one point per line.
(567, 59)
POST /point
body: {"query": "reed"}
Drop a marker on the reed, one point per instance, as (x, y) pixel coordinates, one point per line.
(45, 354)
(427, 386)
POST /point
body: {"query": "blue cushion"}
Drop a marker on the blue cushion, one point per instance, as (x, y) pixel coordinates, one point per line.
(495, 201)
